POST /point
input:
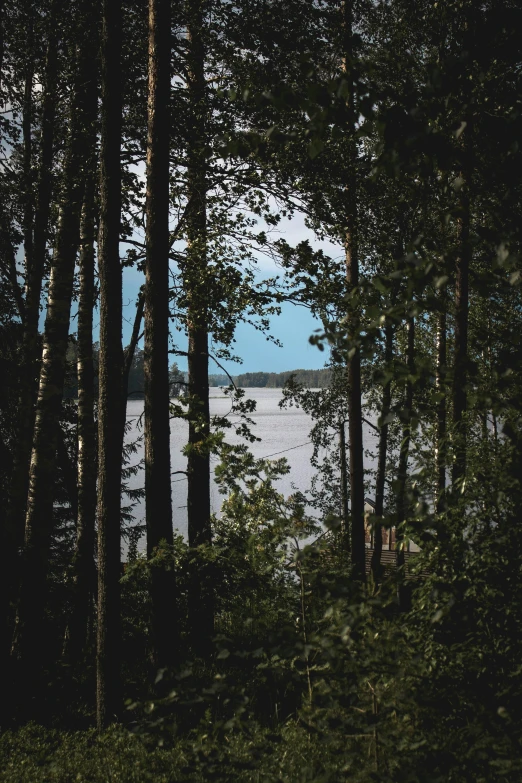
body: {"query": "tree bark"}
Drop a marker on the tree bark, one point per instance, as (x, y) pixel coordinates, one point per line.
(84, 569)
(110, 430)
(440, 385)
(381, 460)
(29, 364)
(344, 485)
(13, 526)
(39, 519)
(31, 347)
(43, 195)
(67, 465)
(158, 501)
(460, 362)
(128, 354)
(358, 553)
(29, 354)
(198, 467)
(2, 32)
(27, 123)
(402, 472)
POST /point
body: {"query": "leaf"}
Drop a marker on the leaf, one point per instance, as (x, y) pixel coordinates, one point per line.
(440, 281)
(458, 182)
(460, 130)
(315, 147)
(380, 285)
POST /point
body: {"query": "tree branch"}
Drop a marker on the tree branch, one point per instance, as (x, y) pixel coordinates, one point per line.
(131, 348)
(226, 373)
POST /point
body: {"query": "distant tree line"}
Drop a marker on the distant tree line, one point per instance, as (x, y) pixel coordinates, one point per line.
(309, 379)
(136, 378)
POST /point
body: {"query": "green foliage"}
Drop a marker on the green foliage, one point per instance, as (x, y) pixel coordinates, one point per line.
(312, 676)
(34, 755)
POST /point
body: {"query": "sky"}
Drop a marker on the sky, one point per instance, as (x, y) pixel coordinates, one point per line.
(292, 328)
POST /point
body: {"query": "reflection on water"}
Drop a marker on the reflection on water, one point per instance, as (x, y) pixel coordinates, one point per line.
(284, 431)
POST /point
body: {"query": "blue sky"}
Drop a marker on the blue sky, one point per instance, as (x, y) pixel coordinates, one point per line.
(292, 328)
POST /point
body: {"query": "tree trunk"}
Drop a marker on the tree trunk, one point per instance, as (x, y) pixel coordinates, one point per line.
(13, 526)
(110, 429)
(2, 32)
(43, 197)
(158, 502)
(460, 362)
(402, 472)
(198, 467)
(29, 633)
(381, 461)
(128, 354)
(27, 122)
(344, 485)
(440, 385)
(67, 465)
(31, 348)
(28, 357)
(358, 552)
(84, 569)
(29, 365)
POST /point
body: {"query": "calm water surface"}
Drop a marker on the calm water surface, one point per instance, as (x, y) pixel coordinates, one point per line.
(283, 433)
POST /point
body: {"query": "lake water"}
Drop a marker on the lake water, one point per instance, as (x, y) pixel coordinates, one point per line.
(283, 433)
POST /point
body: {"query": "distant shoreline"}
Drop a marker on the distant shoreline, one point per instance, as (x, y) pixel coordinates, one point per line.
(311, 379)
